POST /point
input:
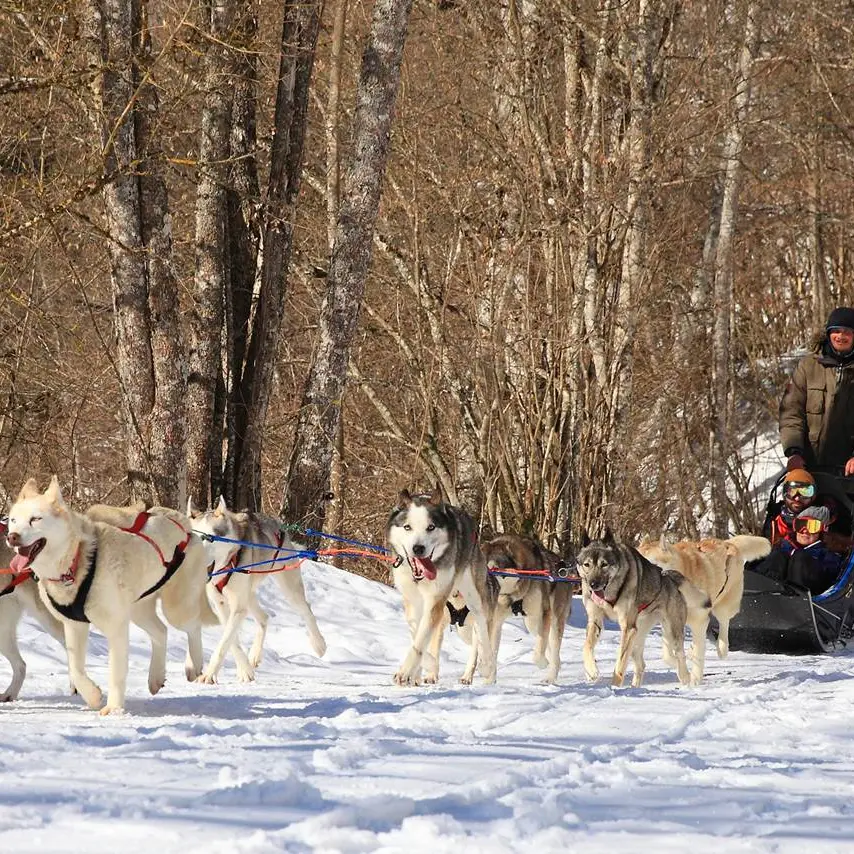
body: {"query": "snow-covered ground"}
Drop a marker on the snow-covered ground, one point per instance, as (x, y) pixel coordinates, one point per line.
(328, 755)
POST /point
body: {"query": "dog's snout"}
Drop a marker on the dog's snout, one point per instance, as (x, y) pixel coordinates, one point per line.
(13, 538)
(418, 550)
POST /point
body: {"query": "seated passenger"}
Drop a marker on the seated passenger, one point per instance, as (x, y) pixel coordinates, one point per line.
(804, 559)
(798, 494)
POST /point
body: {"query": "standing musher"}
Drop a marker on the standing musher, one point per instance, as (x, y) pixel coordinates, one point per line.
(817, 407)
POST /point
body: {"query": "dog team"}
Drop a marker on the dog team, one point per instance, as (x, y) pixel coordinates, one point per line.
(111, 566)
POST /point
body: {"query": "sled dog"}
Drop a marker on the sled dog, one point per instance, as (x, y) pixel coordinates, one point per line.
(439, 565)
(92, 572)
(233, 594)
(545, 605)
(620, 583)
(19, 593)
(717, 568)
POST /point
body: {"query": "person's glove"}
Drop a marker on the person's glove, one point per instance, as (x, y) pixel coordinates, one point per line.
(796, 461)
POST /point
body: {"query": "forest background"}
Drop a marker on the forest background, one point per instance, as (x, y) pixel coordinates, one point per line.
(546, 253)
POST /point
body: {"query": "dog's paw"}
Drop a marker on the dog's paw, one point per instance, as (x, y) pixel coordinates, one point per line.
(112, 710)
(465, 679)
(431, 678)
(617, 680)
(245, 674)
(254, 658)
(407, 677)
(549, 679)
(206, 679)
(156, 683)
(637, 681)
(723, 650)
(7, 697)
(542, 662)
(592, 675)
(94, 699)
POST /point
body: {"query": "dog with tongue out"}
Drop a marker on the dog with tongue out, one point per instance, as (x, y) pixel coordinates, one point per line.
(440, 567)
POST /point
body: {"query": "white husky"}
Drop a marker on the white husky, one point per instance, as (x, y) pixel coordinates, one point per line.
(19, 593)
(91, 572)
(233, 592)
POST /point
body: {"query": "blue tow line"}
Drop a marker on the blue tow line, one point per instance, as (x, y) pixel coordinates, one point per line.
(292, 554)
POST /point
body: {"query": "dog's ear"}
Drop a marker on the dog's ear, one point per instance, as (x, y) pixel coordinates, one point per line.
(404, 498)
(221, 507)
(436, 497)
(192, 510)
(29, 490)
(608, 537)
(662, 542)
(585, 539)
(54, 494)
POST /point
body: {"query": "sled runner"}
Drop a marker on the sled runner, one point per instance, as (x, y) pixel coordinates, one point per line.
(777, 617)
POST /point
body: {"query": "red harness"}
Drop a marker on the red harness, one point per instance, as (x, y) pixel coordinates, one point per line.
(140, 522)
(17, 578)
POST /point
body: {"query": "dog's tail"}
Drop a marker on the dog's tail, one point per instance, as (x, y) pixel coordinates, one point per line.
(748, 547)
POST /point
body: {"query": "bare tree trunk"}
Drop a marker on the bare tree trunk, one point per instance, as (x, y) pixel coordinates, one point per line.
(298, 43)
(308, 474)
(337, 484)
(722, 289)
(211, 248)
(112, 28)
(244, 241)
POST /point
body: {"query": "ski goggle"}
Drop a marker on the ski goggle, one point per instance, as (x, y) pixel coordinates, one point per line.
(805, 490)
(809, 526)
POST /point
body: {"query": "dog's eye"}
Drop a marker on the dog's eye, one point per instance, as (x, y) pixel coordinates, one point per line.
(431, 527)
(34, 519)
(407, 527)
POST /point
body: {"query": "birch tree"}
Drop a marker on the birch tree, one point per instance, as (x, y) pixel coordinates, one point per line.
(308, 473)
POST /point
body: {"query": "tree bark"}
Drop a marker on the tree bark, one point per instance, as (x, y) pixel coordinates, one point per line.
(298, 43)
(206, 315)
(722, 287)
(308, 473)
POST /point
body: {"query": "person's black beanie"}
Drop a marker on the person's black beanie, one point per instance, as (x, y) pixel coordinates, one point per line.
(841, 317)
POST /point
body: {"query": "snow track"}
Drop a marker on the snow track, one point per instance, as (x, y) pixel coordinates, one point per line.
(330, 756)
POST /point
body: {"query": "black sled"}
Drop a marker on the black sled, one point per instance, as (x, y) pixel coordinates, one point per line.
(776, 617)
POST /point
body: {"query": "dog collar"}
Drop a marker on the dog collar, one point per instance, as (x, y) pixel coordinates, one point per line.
(70, 576)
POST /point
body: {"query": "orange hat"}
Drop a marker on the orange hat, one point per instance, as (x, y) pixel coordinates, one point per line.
(798, 476)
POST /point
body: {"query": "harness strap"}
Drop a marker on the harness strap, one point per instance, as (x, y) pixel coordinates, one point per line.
(171, 568)
(17, 578)
(232, 565)
(136, 529)
(458, 615)
(75, 609)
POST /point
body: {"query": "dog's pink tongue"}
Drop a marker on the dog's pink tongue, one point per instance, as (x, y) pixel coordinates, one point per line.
(426, 566)
(19, 563)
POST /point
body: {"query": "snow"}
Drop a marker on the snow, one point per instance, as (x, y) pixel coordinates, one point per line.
(328, 755)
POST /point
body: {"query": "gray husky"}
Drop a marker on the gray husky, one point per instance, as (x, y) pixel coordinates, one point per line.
(545, 605)
(618, 582)
(440, 565)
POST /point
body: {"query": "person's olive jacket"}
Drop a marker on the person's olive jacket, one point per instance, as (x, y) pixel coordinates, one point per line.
(817, 408)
